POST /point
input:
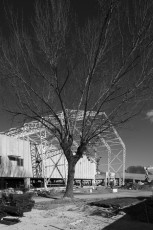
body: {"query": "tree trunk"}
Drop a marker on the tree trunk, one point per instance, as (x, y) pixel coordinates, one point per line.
(71, 171)
(72, 160)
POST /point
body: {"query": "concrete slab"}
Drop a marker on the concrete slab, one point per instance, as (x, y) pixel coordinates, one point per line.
(130, 193)
(41, 199)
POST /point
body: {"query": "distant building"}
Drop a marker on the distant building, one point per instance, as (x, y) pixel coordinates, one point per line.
(128, 177)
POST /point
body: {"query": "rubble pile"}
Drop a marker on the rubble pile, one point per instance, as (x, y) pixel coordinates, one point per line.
(48, 193)
(138, 209)
(132, 186)
(146, 186)
(102, 209)
(23, 201)
(15, 204)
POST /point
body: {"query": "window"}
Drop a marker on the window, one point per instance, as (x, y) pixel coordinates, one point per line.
(16, 160)
(20, 162)
(11, 158)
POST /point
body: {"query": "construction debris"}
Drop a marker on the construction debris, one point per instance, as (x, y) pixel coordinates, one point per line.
(106, 211)
(14, 204)
(76, 223)
(138, 186)
(141, 210)
(11, 210)
(49, 193)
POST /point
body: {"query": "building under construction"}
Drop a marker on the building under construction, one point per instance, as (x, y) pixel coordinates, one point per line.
(31, 154)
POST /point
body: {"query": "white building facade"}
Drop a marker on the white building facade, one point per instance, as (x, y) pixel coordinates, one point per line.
(15, 157)
(16, 162)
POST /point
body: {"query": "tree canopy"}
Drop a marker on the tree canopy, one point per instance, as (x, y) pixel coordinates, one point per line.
(136, 169)
(103, 65)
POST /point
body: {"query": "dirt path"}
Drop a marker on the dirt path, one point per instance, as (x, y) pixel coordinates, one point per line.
(63, 218)
(68, 216)
(71, 217)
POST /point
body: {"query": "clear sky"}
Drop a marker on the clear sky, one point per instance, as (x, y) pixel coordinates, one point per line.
(138, 136)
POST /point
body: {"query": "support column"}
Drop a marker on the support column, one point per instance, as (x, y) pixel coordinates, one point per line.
(27, 183)
(120, 181)
(124, 156)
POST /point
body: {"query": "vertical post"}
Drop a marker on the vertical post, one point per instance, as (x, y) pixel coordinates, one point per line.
(65, 170)
(120, 181)
(124, 152)
(43, 158)
(109, 162)
(27, 183)
(124, 155)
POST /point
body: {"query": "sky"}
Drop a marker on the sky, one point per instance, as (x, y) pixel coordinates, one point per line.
(138, 134)
(138, 138)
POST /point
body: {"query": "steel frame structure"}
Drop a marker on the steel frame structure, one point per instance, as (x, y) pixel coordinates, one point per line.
(45, 146)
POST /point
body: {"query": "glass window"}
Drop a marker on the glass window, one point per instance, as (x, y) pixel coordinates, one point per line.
(20, 162)
(11, 158)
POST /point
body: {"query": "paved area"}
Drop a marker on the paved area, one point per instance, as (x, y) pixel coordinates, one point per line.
(129, 193)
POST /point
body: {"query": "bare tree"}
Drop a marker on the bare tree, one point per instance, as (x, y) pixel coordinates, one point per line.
(102, 66)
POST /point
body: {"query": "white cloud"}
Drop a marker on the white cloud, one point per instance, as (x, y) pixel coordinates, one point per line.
(149, 115)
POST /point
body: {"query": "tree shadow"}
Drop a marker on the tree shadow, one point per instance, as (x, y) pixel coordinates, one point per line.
(138, 212)
(142, 211)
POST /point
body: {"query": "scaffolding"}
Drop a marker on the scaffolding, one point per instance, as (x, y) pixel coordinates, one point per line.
(45, 146)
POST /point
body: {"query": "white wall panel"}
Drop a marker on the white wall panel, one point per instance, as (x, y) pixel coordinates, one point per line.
(84, 169)
(12, 146)
(15, 147)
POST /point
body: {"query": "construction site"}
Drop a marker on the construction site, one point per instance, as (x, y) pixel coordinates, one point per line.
(32, 156)
(33, 178)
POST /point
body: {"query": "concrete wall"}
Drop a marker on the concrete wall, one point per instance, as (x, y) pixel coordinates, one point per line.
(12, 149)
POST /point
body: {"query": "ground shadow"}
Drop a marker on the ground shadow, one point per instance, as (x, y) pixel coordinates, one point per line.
(127, 223)
(142, 210)
(9, 222)
(138, 212)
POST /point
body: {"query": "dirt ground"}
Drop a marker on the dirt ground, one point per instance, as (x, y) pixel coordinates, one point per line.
(72, 215)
